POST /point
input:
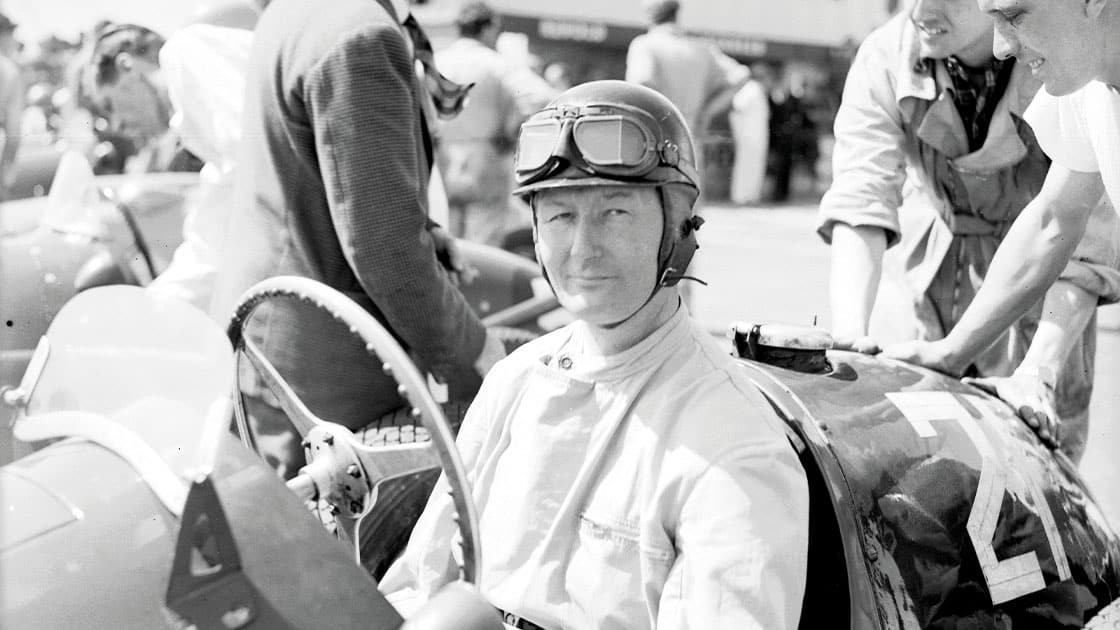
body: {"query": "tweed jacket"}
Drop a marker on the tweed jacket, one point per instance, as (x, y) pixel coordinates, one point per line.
(335, 189)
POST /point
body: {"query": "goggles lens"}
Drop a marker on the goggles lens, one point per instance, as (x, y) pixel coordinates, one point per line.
(611, 141)
(536, 143)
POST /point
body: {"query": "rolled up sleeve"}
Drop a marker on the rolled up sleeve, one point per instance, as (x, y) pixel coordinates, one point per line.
(1095, 264)
(742, 543)
(868, 161)
(364, 119)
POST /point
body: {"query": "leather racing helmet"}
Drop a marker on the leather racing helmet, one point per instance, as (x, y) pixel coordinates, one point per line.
(614, 133)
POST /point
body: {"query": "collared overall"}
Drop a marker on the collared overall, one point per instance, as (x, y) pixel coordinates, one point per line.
(902, 163)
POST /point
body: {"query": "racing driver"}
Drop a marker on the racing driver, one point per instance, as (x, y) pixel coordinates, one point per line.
(626, 474)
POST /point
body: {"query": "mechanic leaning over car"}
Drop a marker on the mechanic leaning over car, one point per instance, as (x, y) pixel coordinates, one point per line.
(932, 154)
(626, 472)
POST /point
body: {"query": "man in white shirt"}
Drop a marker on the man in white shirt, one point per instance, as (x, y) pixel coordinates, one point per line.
(1073, 47)
(626, 473)
(191, 85)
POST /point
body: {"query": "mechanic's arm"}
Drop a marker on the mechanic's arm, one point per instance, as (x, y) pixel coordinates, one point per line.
(360, 103)
(742, 544)
(1066, 310)
(1030, 258)
(1092, 277)
(857, 267)
(859, 213)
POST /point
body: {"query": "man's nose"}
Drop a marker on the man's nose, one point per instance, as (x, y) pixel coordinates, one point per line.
(586, 242)
(1004, 44)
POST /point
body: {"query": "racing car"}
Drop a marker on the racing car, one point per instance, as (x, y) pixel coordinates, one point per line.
(931, 504)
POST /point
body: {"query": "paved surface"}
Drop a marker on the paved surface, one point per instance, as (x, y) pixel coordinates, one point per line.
(766, 264)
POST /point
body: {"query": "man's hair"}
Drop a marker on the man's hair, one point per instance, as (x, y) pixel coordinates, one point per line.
(662, 11)
(473, 18)
(115, 39)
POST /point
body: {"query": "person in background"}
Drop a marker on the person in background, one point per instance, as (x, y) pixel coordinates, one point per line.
(11, 103)
(626, 473)
(932, 155)
(1073, 49)
(559, 75)
(186, 91)
(750, 127)
(475, 149)
(698, 78)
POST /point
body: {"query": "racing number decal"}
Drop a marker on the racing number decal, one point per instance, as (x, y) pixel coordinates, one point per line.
(1019, 575)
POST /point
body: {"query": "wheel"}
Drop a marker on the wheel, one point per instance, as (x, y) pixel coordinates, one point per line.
(341, 469)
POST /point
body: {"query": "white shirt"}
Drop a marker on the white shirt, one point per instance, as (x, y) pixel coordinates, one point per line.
(204, 69)
(650, 488)
(1081, 131)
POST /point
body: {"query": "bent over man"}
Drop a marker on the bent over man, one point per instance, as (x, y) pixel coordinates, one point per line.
(932, 154)
(626, 474)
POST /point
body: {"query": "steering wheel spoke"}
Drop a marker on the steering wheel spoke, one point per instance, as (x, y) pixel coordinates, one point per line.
(383, 463)
(300, 416)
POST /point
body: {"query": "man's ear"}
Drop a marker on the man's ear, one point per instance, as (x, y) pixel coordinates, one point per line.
(124, 62)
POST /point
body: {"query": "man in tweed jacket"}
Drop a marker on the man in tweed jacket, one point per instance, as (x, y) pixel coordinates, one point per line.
(336, 157)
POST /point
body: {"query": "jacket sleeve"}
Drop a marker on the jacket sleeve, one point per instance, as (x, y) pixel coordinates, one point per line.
(868, 160)
(741, 541)
(1095, 264)
(364, 117)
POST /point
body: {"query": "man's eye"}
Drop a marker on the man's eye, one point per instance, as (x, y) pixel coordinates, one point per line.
(617, 212)
(559, 216)
(1013, 19)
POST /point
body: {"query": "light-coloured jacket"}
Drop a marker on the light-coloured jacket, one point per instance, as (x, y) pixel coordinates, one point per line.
(654, 488)
(902, 163)
(690, 73)
(204, 69)
(476, 147)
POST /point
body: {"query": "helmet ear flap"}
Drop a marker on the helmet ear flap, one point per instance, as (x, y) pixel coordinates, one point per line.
(678, 239)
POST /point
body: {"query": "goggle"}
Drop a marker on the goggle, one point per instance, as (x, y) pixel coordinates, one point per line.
(610, 140)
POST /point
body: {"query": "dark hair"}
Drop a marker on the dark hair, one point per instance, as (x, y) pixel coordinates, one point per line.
(115, 39)
(473, 18)
(663, 12)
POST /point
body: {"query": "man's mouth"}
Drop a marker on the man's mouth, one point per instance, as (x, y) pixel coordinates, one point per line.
(1035, 64)
(931, 29)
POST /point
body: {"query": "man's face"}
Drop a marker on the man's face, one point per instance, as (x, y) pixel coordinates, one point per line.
(951, 27)
(1054, 37)
(599, 246)
(137, 103)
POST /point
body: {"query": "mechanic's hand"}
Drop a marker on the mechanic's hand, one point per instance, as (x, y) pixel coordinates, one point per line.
(930, 354)
(1031, 396)
(447, 251)
(862, 343)
(492, 352)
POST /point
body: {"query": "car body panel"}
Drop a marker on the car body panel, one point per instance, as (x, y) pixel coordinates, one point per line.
(923, 470)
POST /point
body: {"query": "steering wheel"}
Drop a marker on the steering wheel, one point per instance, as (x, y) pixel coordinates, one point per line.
(340, 469)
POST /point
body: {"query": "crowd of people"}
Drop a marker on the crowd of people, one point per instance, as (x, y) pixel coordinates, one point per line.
(626, 474)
